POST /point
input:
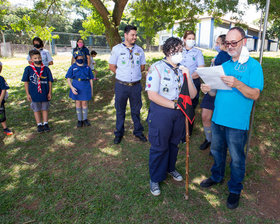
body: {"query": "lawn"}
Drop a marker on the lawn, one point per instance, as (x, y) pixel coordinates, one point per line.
(72, 175)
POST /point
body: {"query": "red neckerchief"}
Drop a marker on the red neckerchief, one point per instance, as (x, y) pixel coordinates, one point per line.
(38, 75)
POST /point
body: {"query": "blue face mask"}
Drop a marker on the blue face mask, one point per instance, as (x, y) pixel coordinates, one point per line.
(80, 61)
(217, 48)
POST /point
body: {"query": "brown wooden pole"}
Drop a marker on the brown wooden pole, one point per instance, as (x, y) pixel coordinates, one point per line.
(187, 159)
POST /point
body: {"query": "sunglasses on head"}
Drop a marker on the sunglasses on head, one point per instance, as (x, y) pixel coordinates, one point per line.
(233, 43)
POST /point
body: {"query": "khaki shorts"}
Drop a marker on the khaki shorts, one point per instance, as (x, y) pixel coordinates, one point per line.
(39, 106)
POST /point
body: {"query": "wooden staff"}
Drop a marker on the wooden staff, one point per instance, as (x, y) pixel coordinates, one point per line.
(187, 159)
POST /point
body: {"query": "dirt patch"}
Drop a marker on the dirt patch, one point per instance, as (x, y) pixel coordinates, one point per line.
(267, 191)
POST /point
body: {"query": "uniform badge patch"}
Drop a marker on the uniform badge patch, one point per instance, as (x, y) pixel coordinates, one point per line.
(149, 85)
(150, 78)
(165, 90)
(123, 62)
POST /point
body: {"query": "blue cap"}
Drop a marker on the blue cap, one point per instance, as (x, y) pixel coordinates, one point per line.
(77, 53)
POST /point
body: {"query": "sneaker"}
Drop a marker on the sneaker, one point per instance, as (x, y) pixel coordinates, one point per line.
(86, 122)
(176, 176)
(233, 200)
(209, 182)
(40, 128)
(204, 145)
(46, 128)
(7, 131)
(80, 124)
(154, 188)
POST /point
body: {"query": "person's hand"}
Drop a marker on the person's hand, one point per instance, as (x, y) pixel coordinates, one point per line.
(205, 88)
(49, 96)
(29, 98)
(230, 81)
(195, 75)
(74, 90)
(185, 70)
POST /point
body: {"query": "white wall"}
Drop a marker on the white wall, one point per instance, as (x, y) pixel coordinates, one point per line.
(205, 33)
(250, 44)
(273, 47)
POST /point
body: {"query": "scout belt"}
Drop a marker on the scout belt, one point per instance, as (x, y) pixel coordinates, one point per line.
(127, 83)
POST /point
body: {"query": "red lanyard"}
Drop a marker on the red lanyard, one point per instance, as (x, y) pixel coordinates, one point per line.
(38, 76)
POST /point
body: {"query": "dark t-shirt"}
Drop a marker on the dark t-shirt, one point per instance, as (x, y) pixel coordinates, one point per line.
(30, 76)
(85, 51)
(3, 85)
(222, 57)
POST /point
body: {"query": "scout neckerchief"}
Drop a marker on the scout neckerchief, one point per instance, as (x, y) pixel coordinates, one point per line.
(175, 69)
(38, 75)
(130, 53)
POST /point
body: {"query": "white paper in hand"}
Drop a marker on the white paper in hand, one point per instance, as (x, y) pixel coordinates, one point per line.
(212, 77)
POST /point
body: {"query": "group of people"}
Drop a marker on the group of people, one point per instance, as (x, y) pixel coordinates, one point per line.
(225, 113)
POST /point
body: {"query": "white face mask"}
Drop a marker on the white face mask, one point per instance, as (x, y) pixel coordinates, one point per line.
(244, 55)
(176, 58)
(190, 43)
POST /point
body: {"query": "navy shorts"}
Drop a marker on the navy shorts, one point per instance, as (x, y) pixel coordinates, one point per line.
(208, 102)
(39, 106)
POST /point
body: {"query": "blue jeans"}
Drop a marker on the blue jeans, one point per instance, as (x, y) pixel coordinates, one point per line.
(235, 140)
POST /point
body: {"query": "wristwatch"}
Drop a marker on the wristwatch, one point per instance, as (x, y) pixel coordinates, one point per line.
(175, 105)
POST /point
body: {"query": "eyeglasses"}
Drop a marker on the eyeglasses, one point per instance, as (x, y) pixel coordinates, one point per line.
(233, 43)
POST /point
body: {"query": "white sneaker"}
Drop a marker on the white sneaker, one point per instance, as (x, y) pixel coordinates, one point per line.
(154, 188)
(176, 176)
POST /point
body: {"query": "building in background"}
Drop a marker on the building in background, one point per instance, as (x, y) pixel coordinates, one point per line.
(207, 32)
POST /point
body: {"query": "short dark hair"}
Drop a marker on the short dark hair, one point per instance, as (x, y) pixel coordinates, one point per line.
(241, 31)
(187, 33)
(39, 40)
(223, 38)
(170, 45)
(93, 52)
(34, 52)
(127, 28)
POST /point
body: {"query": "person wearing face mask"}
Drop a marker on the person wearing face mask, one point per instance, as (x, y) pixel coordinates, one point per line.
(207, 103)
(82, 48)
(38, 80)
(192, 59)
(45, 54)
(79, 77)
(128, 61)
(231, 116)
(165, 120)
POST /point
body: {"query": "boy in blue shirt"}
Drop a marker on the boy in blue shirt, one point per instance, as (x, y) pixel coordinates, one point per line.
(38, 80)
(3, 92)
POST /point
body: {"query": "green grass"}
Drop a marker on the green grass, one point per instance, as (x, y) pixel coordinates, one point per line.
(78, 176)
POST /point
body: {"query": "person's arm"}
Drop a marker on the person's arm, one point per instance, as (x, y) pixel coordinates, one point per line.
(142, 68)
(88, 60)
(73, 89)
(113, 68)
(191, 86)
(26, 86)
(160, 100)
(2, 96)
(50, 91)
(251, 93)
(91, 86)
(51, 63)
(194, 74)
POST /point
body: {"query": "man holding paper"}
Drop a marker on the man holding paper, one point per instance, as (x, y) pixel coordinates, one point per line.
(231, 116)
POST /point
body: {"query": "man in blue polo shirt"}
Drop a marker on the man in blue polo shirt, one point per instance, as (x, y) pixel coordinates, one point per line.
(127, 61)
(231, 116)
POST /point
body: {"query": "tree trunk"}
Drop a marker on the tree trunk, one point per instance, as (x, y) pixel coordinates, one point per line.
(111, 22)
(112, 36)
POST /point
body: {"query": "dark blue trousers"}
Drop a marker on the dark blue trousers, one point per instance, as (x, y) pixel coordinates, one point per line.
(165, 131)
(122, 94)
